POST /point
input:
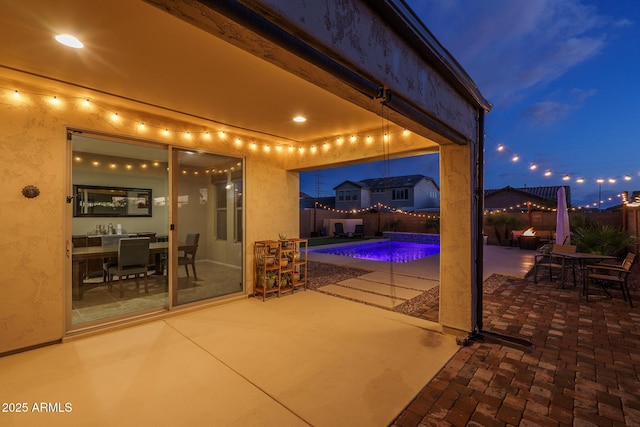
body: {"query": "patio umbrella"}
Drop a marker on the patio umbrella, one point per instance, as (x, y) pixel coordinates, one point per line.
(563, 236)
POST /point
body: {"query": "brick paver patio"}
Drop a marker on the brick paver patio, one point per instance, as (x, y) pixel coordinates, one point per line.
(584, 368)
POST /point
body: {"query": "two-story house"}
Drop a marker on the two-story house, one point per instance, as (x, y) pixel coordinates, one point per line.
(408, 192)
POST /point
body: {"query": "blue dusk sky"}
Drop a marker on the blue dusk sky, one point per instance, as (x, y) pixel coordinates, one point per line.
(564, 80)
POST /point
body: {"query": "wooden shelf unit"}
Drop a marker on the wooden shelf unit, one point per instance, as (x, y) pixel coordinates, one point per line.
(283, 260)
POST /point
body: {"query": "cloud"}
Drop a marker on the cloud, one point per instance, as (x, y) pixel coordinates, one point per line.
(509, 46)
(547, 111)
(582, 94)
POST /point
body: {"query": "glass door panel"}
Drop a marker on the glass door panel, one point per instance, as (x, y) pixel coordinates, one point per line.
(120, 190)
(209, 226)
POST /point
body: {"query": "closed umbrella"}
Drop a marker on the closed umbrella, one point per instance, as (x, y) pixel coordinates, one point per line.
(563, 236)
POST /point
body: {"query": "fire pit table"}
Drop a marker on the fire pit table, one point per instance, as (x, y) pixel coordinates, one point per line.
(528, 242)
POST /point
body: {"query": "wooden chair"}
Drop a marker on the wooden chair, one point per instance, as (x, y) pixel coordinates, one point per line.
(189, 256)
(133, 258)
(359, 231)
(608, 275)
(550, 262)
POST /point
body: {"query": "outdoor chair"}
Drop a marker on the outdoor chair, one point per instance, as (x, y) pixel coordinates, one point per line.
(611, 275)
(133, 258)
(359, 231)
(339, 230)
(545, 259)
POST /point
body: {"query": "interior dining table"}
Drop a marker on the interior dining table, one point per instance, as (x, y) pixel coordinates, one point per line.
(83, 254)
(582, 260)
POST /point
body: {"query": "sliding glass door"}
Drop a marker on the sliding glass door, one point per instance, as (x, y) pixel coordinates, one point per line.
(119, 190)
(208, 226)
(192, 220)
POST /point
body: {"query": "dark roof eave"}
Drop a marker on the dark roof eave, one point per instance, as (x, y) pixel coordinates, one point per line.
(405, 22)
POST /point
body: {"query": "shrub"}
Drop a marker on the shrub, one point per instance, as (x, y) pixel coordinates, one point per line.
(392, 225)
(503, 223)
(601, 239)
(432, 225)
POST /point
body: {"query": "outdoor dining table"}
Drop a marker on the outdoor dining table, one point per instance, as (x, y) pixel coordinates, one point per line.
(81, 254)
(582, 259)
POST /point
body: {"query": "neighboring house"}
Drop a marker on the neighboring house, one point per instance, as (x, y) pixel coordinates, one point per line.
(409, 193)
(523, 199)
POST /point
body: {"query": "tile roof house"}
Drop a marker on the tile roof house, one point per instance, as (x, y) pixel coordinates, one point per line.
(408, 192)
(514, 199)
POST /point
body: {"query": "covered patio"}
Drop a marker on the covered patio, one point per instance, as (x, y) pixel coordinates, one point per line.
(228, 78)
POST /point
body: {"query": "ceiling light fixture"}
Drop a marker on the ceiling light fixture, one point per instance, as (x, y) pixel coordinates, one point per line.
(69, 40)
(299, 119)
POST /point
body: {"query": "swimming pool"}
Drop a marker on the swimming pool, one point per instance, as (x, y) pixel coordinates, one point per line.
(390, 251)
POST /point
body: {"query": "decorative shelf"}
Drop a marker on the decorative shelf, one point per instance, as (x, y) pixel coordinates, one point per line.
(280, 266)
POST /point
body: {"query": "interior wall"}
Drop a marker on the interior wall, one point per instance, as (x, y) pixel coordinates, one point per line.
(158, 183)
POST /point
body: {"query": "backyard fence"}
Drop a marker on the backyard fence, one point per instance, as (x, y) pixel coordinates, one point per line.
(311, 222)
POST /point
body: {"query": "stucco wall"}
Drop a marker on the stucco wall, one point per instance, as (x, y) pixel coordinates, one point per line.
(35, 278)
(32, 245)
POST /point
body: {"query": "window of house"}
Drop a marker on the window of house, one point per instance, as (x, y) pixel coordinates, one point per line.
(400, 194)
(237, 226)
(221, 211)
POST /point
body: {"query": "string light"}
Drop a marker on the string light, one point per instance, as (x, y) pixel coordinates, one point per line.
(56, 100)
(566, 177)
(367, 209)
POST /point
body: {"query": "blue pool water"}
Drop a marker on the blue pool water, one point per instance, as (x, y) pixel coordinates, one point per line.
(383, 251)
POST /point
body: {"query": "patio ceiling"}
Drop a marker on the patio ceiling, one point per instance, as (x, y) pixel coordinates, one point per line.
(137, 51)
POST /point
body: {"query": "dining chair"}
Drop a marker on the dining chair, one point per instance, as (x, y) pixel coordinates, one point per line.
(133, 259)
(608, 275)
(189, 255)
(546, 260)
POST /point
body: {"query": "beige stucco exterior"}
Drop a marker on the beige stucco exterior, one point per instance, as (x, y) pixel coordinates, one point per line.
(36, 234)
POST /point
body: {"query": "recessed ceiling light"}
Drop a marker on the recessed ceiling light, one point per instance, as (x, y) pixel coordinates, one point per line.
(299, 119)
(69, 40)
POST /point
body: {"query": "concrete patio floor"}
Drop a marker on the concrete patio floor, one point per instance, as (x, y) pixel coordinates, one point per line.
(305, 359)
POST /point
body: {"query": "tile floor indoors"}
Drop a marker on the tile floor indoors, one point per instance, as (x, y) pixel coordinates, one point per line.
(213, 280)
